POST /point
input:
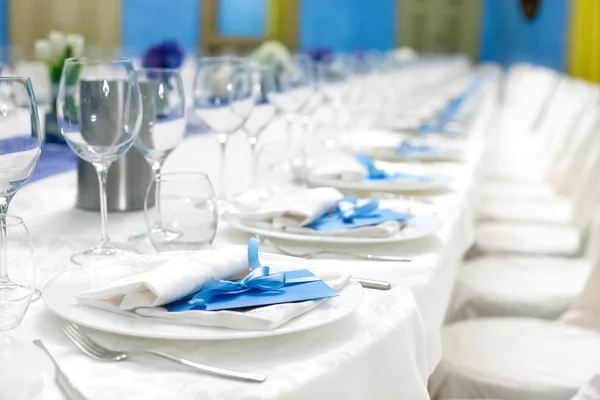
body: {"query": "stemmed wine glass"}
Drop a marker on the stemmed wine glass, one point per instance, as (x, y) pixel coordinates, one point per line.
(20, 147)
(260, 118)
(99, 110)
(294, 86)
(23, 367)
(224, 96)
(163, 124)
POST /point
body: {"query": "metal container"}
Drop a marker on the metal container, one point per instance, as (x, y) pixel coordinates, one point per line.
(128, 177)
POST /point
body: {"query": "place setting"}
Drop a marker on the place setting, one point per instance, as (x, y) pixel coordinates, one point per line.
(191, 261)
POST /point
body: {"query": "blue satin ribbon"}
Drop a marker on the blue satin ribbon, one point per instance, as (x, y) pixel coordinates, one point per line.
(376, 174)
(450, 112)
(259, 279)
(348, 209)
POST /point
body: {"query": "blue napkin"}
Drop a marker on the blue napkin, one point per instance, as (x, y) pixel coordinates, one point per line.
(348, 214)
(376, 174)
(408, 148)
(259, 288)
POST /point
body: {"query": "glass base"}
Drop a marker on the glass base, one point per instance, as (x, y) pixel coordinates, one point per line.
(15, 299)
(103, 252)
(162, 234)
(36, 295)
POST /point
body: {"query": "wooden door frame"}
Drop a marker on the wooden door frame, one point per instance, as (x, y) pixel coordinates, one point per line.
(211, 41)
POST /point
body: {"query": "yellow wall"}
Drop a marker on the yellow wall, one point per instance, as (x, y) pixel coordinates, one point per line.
(585, 39)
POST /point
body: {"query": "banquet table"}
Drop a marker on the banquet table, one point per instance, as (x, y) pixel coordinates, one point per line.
(384, 350)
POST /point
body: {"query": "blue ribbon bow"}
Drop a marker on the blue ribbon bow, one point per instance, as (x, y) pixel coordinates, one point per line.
(348, 209)
(377, 174)
(259, 279)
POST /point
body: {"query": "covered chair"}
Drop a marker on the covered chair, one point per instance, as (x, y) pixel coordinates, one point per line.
(522, 286)
(522, 358)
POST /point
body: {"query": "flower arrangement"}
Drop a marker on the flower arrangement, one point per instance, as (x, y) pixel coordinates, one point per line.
(56, 49)
(164, 55)
(53, 51)
(271, 53)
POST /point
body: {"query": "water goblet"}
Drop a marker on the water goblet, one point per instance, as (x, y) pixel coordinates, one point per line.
(163, 122)
(23, 367)
(99, 110)
(20, 146)
(294, 87)
(188, 210)
(224, 95)
(262, 115)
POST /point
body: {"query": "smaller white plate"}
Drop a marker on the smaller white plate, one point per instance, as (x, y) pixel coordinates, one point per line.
(416, 228)
(59, 295)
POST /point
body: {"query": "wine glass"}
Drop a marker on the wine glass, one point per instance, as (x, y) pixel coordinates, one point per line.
(163, 122)
(294, 86)
(260, 118)
(188, 209)
(20, 147)
(23, 367)
(99, 110)
(224, 96)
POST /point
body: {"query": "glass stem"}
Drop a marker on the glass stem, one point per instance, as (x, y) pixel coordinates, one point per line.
(252, 141)
(4, 202)
(102, 171)
(156, 169)
(222, 138)
(289, 126)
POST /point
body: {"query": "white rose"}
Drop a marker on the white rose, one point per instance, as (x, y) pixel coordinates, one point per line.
(42, 50)
(57, 43)
(76, 42)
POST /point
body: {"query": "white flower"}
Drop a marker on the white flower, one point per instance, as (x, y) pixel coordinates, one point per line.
(57, 43)
(404, 54)
(42, 50)
(77, 43)
(271, 52)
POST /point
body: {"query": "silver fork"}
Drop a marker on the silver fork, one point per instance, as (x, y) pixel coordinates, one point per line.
(312, 254)
(95, 350)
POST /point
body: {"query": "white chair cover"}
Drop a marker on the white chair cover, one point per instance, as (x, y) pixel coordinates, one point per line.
(589, 391)
(525, 358)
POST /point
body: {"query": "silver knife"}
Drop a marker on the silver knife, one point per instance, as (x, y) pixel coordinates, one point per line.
(373, 283)
(65, 385)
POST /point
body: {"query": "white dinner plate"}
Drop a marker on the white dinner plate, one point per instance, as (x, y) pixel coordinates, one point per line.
(59, 295)
(419, 226)
(400, 186)
(440, 155)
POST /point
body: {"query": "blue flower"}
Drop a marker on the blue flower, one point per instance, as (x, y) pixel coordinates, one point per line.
(164, 55)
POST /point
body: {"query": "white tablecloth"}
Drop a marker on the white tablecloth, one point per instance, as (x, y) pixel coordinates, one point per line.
(385, 350)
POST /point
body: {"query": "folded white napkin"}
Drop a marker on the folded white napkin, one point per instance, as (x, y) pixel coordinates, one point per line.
(261, 318)
(291, 213)
(142, 295)
(169, 282)
(340, 167)
(296, 209)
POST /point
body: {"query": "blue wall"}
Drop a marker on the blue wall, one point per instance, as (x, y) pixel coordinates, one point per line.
(242, 18)
(3, 23)
(343, 25)
(508, 38)
(347, 24)
(147, 22)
